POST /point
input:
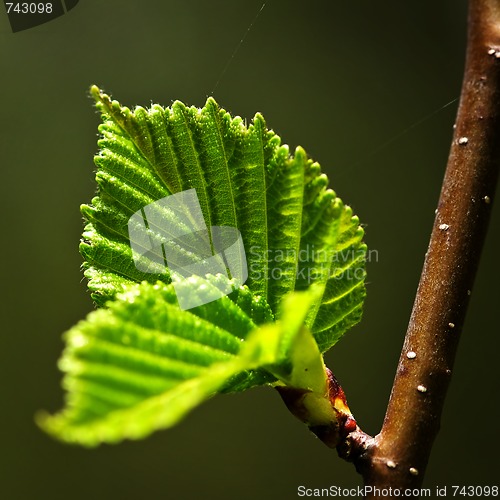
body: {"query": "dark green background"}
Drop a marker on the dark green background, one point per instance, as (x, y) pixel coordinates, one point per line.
(341, 79)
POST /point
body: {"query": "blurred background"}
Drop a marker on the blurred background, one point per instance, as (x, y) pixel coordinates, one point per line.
(363, 87)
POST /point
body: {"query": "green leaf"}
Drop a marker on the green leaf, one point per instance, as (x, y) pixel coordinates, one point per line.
(295, 231)
(142, 364)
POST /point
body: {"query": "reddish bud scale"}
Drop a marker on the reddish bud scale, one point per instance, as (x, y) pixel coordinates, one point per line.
(338, 426)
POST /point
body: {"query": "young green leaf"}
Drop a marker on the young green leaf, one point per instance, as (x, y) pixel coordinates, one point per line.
(141, 362)
(295, 231)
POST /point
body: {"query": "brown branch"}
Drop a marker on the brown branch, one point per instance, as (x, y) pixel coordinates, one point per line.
(398, 456)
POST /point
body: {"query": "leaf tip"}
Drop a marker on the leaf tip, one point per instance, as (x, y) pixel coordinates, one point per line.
(300, 154)
(95, 92)
(99, 96)
(259, 122)
(211, 103)
(46, 422)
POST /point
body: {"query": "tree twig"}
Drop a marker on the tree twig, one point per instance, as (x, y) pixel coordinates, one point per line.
(398, 456)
